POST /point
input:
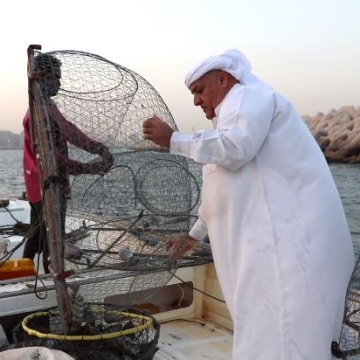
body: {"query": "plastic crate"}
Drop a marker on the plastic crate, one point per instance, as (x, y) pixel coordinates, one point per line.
(17, 268)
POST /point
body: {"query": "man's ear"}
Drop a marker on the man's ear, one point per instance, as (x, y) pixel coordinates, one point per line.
(223, 79)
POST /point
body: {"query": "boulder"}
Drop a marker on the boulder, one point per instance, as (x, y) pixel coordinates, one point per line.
(337, 133)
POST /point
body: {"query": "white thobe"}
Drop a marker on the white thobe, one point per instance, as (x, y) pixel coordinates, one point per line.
(278, 232)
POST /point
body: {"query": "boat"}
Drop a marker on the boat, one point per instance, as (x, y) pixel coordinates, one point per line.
(194, 321)
(118, 282)
(183, 314)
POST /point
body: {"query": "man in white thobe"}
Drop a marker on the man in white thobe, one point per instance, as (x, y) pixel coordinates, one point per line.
(278, 232)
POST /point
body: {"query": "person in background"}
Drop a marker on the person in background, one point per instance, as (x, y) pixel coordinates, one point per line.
(279, 237)
(64, 132)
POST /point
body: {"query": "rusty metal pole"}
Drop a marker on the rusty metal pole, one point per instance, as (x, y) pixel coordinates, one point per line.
(42, 138)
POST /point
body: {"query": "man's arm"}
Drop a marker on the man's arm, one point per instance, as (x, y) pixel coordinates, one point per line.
(76, 137)
(243, 124)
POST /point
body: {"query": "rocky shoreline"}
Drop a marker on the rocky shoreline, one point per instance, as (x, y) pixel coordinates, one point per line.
(337, 133)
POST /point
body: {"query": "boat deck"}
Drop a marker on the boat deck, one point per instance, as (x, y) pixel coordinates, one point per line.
(192, 324)
(193, 339)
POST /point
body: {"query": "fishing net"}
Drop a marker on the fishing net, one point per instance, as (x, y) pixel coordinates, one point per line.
(105, 333)
(349, 344)
(110, 200)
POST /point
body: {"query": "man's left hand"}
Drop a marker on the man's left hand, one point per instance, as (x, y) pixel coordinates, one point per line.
(179, 245)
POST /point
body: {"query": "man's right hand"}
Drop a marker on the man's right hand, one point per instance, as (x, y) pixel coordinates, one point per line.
(157, 131)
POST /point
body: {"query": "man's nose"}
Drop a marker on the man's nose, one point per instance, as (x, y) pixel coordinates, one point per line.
(197, 100)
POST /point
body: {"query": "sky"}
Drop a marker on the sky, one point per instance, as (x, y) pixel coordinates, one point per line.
(309, 50)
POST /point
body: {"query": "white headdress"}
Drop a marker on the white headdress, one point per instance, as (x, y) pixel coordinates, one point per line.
(231, 61)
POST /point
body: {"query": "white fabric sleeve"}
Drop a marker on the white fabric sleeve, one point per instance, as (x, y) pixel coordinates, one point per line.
(199, 229)
(243, 123)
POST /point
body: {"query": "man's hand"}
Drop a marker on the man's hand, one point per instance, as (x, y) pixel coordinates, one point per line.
(104, 166)
(179, 245)
(107, 159)
(98, 167)
(157, 131)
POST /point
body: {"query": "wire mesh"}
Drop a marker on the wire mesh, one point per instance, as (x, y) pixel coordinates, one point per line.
(349, 344)
(117, 191)
(111, 200)
(105, 332)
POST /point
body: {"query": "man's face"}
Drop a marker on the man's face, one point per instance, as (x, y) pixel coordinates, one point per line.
(208, 93)
(50, 83)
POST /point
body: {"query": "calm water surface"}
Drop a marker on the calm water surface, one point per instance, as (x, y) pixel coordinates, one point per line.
(347, 178)
(11, 178)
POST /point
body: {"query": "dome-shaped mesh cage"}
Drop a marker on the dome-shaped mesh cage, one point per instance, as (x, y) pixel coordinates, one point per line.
(111, 200)
(348, 346)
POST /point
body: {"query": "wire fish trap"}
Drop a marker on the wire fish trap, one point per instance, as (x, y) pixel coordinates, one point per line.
(106, 333)
(110, 199)
(348, 347)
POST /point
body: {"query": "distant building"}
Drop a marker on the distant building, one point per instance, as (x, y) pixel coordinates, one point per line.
(9, 140)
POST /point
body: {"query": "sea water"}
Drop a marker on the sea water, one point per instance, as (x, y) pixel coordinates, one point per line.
(346, 176)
